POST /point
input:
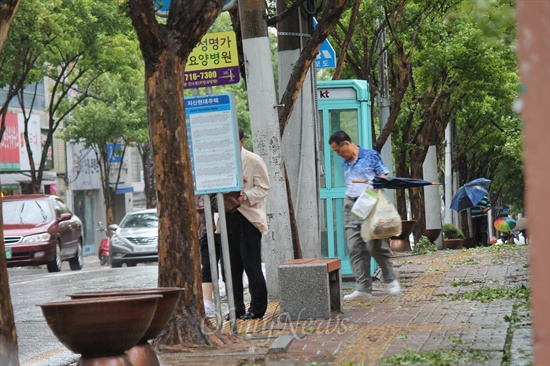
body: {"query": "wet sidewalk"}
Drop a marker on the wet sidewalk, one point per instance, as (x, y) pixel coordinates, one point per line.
(465, 307)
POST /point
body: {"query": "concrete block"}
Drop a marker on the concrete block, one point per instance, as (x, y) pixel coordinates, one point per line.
(281, 344)
(308, 291)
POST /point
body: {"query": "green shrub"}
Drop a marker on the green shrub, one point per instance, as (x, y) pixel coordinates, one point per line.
(424, 246)
(450, 231)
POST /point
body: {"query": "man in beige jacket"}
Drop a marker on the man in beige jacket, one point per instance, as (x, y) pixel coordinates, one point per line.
(244, 231)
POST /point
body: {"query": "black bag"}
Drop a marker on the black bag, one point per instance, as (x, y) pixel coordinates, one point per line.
(230, 202)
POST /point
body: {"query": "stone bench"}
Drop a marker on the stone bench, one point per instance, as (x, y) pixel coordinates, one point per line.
(310, 288)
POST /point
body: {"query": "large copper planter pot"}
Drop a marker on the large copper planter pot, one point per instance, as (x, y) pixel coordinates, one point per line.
(401, 243)
(432, 234)
(407, 227)
(453, 243)
(101, 329)
(142, 353)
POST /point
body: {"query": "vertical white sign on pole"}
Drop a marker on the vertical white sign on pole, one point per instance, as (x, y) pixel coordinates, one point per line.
(214, 143)
(215, 149)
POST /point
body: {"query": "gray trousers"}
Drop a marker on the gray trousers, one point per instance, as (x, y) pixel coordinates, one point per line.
(360, 252)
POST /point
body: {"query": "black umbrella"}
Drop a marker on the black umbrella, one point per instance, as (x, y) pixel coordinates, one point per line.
(396, 182)
(470, 194)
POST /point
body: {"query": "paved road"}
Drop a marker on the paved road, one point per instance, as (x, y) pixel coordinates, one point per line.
(29, 287)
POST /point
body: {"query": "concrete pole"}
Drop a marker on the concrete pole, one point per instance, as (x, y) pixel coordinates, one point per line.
(448, 219)
(70, 172)
(432, 198)
(384, 103)
(490, 220)
(300, 136)
(277, 247)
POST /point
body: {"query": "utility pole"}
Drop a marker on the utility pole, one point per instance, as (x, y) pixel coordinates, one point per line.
(384, 103)
(448, 219)
(300, 139)
(264, 122)
(432, 198)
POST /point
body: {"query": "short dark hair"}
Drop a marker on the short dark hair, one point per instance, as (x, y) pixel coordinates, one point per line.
(241, 134)
(339, 137)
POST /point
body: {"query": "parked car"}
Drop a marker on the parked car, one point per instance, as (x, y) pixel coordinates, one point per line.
(135, 240)
(40, 229)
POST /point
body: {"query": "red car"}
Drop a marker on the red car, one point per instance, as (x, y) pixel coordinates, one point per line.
(40, 229)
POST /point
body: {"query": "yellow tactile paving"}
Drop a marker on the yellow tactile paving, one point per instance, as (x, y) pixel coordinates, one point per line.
(370, 343)
(255, 326)
(269, 324)
(423, 288)
(427, 283)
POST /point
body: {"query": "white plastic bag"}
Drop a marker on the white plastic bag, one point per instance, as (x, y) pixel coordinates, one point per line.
(383, 222)
(365, 203)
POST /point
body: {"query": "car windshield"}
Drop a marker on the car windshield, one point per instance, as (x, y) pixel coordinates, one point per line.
(146, 219)
(26, 212)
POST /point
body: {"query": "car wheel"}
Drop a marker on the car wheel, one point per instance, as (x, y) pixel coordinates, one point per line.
(77, 261)
(55, 265)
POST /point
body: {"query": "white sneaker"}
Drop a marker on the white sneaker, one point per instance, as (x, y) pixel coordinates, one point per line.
(358, 295)
(209, 310)
(394, 288)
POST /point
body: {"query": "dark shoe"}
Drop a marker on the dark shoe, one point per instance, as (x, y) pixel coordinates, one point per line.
(237, 315)
(249, 315)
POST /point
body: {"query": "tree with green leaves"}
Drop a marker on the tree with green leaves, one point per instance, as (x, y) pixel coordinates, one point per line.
(443, 57)
(27, 42)
(71, 45)
(108, 124)
(465, 75)
(358, 37)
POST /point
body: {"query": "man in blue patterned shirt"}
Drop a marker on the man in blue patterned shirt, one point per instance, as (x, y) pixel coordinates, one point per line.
(362, 164)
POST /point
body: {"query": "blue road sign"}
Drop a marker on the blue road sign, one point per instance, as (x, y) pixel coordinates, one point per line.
(229, 4)
(326, 58)
(164, 5)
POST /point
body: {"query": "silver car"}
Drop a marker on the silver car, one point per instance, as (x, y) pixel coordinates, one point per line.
(135, 240)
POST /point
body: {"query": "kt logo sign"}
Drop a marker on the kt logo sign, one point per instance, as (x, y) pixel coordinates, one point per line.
(323, 94)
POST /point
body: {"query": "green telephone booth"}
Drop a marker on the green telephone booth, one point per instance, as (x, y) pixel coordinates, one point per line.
(343, 105)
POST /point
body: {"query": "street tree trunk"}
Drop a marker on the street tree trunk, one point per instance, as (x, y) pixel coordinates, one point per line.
(8, 334)
(402, 169)
(148, 175)
(178, 240)
(8, 8)
(165, 49)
